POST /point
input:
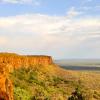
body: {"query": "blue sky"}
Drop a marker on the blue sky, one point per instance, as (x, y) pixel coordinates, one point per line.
(50, 7)
(60, 28)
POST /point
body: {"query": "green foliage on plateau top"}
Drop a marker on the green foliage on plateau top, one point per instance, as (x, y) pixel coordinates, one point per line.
(38, 84)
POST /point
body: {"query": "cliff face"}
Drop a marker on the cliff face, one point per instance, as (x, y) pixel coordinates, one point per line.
(6, 87)
(24, 61)
(10, 62)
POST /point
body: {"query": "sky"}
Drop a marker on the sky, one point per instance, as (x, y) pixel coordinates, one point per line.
(63, 29)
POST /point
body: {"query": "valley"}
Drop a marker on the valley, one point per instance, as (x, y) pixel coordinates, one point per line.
(40, 78)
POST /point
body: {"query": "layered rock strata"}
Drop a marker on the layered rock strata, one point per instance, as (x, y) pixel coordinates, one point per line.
(10, 62)
(6, 87)
(24, 61)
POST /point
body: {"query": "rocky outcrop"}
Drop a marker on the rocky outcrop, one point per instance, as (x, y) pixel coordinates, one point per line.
(6, 87)
(24, 61)
(10, 62)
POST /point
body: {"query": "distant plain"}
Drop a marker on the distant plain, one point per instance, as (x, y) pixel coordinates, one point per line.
(80, 65)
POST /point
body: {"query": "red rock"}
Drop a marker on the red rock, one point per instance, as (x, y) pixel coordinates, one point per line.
(6, 87)
(10, 62)
(24, 61)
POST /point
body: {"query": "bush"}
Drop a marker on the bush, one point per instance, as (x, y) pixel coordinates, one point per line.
(29, 86)
(77, 95)
(21, 94)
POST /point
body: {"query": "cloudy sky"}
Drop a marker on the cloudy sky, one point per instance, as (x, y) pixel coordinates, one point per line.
(60, 28)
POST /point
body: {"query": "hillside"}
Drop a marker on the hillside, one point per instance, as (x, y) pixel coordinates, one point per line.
(38, 78)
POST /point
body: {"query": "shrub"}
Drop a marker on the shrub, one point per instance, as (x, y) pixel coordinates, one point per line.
(21, 94)
(76, 95)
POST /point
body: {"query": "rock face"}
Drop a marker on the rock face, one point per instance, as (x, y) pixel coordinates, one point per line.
(24, 61)
(10, 62)
(6, 87)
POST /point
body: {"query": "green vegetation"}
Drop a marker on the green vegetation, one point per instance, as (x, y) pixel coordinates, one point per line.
(77, 95)
(39, 84)
(21, 94)
(29, 86)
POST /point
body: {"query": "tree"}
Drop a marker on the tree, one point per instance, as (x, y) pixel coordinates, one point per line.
(77, 95)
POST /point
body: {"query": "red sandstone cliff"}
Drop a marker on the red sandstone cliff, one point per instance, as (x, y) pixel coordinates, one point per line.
(9, 62)
(24, 61)
(6, 87)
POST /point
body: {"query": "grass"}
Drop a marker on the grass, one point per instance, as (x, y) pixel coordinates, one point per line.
(42, 83)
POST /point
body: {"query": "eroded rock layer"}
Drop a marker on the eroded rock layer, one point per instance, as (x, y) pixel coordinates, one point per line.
(24, 61)
(6, 87)
(10, 62)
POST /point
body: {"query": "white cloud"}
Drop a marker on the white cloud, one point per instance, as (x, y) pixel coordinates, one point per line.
(3, 40)
(32, 2)
(93, 8)
(86, 8)
(50, 34)
(73, 12)
(90, 0)
(87, 0)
